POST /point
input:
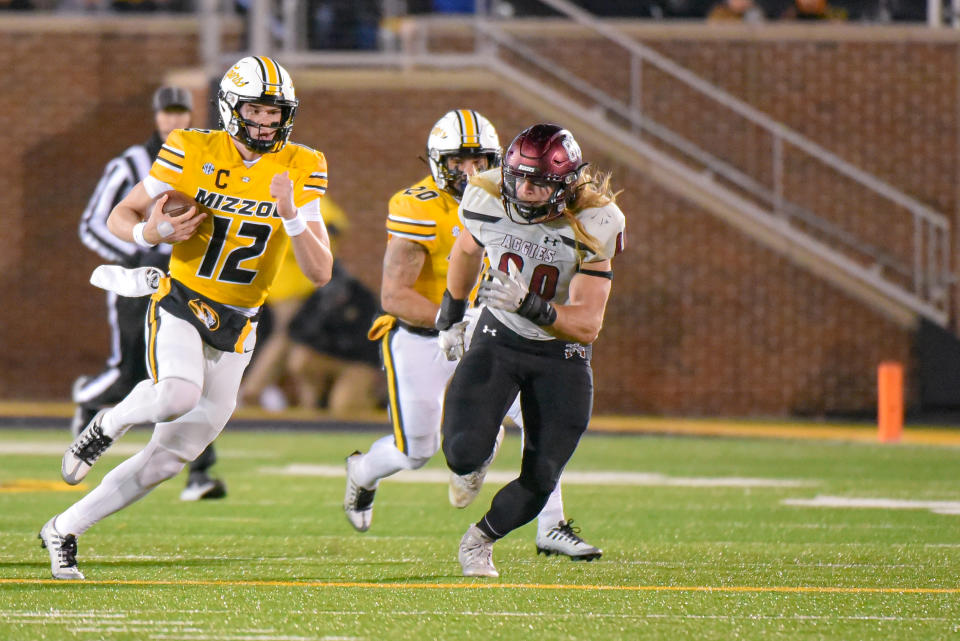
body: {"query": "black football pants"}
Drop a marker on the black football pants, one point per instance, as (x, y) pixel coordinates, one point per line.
(556, 397)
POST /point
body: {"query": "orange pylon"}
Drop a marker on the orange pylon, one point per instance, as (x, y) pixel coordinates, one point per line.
(889, 401)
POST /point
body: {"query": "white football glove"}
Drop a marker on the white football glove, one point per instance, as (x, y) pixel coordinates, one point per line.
(452, 341)
(503, 291)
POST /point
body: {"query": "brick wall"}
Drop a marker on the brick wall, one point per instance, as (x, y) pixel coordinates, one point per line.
(79, 93)
(888, 106)
(702, 320)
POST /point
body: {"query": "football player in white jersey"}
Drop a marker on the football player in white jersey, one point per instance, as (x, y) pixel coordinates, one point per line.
(549, 229)
(422, 224)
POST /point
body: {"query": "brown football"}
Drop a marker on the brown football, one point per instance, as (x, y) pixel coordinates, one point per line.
(177, 204)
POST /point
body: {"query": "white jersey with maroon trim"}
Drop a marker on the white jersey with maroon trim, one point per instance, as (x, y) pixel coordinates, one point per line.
(547, 254)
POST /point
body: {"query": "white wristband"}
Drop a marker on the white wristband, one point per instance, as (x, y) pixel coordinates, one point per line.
(138, 236)
(296, 225)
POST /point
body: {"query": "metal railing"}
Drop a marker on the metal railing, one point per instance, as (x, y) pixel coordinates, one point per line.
(910, 264)
(923, 272)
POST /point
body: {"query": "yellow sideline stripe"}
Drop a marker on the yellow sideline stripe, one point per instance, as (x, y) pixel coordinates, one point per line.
(491, 586)
(40, 485)
(747, 428)
(757, 429)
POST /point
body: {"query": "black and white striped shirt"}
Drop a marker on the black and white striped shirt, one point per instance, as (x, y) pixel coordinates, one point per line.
(120, 176)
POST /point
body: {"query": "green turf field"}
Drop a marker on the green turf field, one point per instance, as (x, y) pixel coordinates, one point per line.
(702, 539)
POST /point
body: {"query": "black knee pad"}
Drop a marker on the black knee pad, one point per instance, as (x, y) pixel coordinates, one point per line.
(462, 454)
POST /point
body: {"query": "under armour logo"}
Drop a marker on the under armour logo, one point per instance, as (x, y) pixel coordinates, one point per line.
(573, 349)
(487, 330)
(550, 241)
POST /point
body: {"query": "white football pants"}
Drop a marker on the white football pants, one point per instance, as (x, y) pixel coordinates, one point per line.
(190, 403)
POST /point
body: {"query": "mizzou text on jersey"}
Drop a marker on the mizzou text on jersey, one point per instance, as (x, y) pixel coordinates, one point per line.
(232, 258)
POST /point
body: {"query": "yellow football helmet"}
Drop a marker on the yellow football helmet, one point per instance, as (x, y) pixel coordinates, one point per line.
(461, 132)
(260, 80)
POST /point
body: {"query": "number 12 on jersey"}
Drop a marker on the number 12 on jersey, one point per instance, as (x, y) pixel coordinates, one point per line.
(231, 271)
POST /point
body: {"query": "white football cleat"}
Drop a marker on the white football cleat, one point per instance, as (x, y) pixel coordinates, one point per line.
(85, 450)
(63, 552)
(464, 488)
(563, 538)
(476, 554)
(357, 501)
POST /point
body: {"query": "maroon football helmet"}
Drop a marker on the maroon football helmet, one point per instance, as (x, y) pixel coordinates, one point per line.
(548, 156)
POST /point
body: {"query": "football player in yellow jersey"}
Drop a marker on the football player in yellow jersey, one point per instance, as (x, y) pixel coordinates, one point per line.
(423, 224)
(257, 194)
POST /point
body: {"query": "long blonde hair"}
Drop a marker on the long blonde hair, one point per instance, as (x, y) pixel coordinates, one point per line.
(593, 189)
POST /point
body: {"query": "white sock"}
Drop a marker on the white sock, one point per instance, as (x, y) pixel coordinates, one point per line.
(123, 485)
(383, 460)
(552, 512)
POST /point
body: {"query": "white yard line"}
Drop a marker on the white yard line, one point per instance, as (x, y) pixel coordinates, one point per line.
(569, 476)
(84, 621)
(853, 502)
(619, 615)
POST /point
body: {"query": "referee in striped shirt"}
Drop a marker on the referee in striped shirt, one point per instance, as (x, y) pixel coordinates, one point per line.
(126, 366)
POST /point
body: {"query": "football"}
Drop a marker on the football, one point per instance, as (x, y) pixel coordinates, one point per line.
(177, 203)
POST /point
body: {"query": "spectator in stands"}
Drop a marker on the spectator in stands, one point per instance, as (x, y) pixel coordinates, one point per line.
(343, 24)
(16, 5)
(173, 6)
(813, 10)
(453, 6)
(125, 6)
(735, 10)
(907, 10)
